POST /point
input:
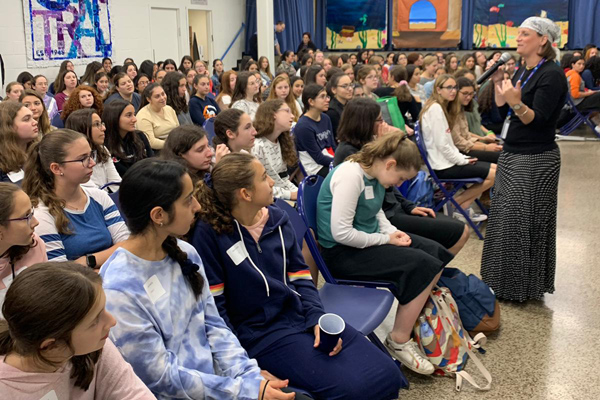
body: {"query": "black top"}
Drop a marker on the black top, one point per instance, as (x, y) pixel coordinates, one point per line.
(310, 45)
(545, 94)
(122, 165)
(335, 114)
(393, 202)
(411, 107)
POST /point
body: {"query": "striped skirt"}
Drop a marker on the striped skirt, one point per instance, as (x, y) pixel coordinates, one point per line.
(519, 252)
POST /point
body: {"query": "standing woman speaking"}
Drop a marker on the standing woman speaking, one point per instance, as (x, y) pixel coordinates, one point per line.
(519, 254)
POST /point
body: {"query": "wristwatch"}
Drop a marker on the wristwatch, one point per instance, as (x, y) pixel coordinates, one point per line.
(517, 107)
(90, 260)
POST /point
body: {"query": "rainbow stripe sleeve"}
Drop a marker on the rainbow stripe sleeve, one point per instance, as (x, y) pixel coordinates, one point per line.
(303, 274)
(217, 290)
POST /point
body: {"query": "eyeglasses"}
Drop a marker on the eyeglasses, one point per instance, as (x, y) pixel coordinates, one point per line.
(286, 110)
(98, 125)
(380, 119)
(323, 97)
(86, 161)
(371, 77)
(450, 88)
(27, 218)
(468, 94)
(346, 86)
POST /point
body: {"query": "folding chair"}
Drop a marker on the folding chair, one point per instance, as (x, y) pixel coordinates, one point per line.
(363, 308)
(209, 127)
(457, 184)
(579, 117)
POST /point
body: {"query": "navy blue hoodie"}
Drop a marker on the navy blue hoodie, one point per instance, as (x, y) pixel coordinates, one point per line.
(264, 297)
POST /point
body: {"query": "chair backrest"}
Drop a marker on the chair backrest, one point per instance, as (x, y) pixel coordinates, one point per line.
(209, 127)
(295, 219)
(423, 150)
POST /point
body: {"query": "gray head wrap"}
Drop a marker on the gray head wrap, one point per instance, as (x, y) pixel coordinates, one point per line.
(543, 26)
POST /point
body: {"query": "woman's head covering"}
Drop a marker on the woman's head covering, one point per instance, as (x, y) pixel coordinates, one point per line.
(543, 26)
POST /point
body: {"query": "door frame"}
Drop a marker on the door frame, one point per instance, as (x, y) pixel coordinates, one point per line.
(209, 30)
(179, 35)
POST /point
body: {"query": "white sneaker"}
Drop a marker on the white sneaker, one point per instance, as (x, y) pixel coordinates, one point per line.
(409, 355)
(597, 129)
(475, 217)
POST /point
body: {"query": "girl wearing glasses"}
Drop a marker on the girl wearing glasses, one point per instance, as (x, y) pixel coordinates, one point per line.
(340, 88)
(369, 80)
(314, 133)
(18, 129)
(20, 247)
(90, 124)
(246, 95)
(76, 223)
(438, 118)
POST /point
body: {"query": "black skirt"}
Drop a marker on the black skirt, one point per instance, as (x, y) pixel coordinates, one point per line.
(519, 252)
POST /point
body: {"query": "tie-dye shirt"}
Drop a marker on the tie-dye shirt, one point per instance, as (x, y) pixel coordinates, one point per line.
(179, 346)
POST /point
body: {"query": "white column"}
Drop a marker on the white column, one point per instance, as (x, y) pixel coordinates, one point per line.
(266, 31)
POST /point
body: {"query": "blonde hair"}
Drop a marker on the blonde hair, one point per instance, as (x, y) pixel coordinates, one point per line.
(404, 152)
(12, 156)
(44, 125)
(427, 61)
(290, 100)
(451, 109)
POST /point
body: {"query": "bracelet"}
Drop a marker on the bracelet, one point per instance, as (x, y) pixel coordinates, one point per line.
(264, 390)
(523, 113)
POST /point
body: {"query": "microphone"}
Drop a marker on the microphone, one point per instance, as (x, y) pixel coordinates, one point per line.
(501, 61)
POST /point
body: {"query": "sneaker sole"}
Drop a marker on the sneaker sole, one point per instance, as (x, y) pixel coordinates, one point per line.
(392, 352)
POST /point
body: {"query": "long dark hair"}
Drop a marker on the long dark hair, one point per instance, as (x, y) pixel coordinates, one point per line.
(226, 120)
(138, 196)
(593, 64)
(180, 141)
(147, 68)
(358, 121)
(241, 85)
(181, 67)
(48, 300)
(91, 70)
(311, 73)
(113, 140)
(170, 84)
(310, 92)
(81, 121)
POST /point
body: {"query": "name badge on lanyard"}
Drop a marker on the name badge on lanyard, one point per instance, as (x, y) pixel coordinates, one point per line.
(506, 124)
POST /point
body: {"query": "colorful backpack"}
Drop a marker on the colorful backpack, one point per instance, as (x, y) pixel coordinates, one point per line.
(390, 111)
(439, 333)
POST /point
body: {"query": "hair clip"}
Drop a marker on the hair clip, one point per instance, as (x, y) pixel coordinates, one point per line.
(189, 268)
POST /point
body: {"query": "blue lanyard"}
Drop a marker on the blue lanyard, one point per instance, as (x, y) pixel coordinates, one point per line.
(543, 60)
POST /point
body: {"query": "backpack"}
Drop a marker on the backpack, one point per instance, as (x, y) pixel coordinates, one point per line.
(391, 112)
(479, 309)
(420, 190)
(442, 338)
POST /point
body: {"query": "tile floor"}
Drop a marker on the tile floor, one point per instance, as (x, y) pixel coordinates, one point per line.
(548, 349)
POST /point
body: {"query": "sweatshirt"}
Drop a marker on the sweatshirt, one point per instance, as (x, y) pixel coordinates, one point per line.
(314, 142)
(113, 380)
(203, 109)
(269, 154)
(178, 345)
(263, 289)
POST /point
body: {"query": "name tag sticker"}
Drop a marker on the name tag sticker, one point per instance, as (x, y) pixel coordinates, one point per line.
(237, 253)
(154, 289)
(51, 395)
(369, 194)
(16, 176)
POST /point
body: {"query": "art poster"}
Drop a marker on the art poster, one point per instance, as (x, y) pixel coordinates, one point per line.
(427, 23)
(57, 30)
(356, 24)
(497, 22)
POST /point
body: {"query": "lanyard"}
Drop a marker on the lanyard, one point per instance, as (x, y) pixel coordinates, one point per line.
(543, 60)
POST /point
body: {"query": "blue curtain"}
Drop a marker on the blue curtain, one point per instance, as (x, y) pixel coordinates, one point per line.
(320, 26)
(466, 29)
(584, 23)
(298, 16)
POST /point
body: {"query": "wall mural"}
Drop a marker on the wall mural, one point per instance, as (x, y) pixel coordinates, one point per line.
(426, 23)
(356, 24)
(57, 30)
(497, 22)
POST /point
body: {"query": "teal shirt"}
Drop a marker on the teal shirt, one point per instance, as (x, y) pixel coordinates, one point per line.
(369, 195)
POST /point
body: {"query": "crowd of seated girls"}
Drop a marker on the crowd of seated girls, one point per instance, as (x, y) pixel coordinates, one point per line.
(167, 315)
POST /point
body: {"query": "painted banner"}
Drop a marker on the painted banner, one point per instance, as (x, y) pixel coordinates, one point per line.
(356, 24)
(426, 23)
(496, 23)
(57, 30)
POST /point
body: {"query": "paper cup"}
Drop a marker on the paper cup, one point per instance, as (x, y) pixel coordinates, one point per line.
(331, 327)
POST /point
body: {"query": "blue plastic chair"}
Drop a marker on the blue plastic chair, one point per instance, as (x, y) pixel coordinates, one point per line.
(209, 127)
(363, 308)
(457, 184)
(579, 117)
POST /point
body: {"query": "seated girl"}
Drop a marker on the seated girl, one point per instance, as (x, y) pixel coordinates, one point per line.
(469, 143)
(20, 247)
(585, 100)
(437, 120)
(264, 292)
(76, 223)
(274, 146)
(14, 90)
(228, 80)
(34, 101)
(188, 145)
(174, 85)
(313, 132)
(246, 95)
(52, 347)
(281, 90)
(360, 243)
(234, 129)
(125, 144)
(67, 83)
(83, 97)
(155, 118)
(169, 327)
(361, 124)
(202, 106)
(89, 123)
(124, 89)
(40, 85)
(18, 130)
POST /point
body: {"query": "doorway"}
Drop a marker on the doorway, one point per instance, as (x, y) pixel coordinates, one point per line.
(201, 38)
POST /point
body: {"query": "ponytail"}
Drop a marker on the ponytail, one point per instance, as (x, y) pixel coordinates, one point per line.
(393, 145)
(7, 343)
(188, 268)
